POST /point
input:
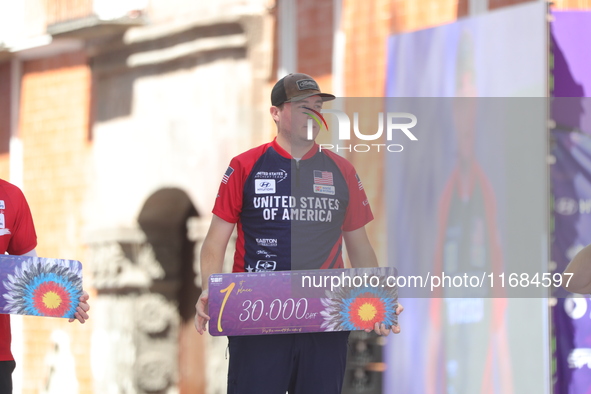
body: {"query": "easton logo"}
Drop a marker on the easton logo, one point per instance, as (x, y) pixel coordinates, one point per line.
(267, 241)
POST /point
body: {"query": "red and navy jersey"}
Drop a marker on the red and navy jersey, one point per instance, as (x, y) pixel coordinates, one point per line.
(290, 213)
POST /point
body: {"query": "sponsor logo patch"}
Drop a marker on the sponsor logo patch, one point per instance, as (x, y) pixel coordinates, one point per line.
(323, 189)
(278, 175)
(267, 241)
(264, 186)
(305, 84)
(265, 265)
(268, 255)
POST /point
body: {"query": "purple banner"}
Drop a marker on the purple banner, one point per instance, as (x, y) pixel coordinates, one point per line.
(287, 302)
(571, 185)
(571, 188)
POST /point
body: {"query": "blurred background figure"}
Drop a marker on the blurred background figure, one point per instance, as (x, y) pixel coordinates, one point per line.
(468, 241)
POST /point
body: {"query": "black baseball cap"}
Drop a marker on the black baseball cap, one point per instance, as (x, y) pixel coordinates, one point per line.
(295, 87)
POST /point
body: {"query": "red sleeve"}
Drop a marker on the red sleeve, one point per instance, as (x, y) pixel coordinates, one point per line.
(358, 211)
(228, 203)
(24, 237)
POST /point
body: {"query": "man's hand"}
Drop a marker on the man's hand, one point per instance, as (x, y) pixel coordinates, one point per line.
(580, 268)
(81, 309)
(201, 318)
(381, 329)
(212, 262)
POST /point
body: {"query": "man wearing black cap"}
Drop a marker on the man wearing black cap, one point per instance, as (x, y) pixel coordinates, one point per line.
(320, 201)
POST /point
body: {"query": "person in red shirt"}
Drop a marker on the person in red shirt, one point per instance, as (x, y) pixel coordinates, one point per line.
(18, 237)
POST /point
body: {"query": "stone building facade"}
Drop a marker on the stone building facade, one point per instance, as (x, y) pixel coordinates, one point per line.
(119, 119)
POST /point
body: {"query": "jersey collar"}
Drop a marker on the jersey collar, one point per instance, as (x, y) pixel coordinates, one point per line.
(286, 154)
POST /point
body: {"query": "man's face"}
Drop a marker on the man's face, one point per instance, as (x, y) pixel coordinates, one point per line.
(293, 119)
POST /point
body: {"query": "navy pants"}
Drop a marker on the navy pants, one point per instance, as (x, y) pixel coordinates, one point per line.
(294, 363)
(6, 368)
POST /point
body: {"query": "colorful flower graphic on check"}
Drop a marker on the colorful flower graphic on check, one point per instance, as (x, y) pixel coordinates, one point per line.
(350, 308)
(43, 287)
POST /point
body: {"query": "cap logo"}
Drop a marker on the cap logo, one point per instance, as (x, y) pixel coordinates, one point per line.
(307, 84)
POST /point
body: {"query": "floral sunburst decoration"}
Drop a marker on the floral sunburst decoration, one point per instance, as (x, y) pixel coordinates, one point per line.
(350, 308)
(44, 287)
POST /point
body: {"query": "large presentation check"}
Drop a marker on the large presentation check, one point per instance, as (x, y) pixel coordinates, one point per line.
(39, 286)
(284, 302)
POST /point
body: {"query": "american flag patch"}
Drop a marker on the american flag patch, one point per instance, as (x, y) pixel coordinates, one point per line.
(359, 182)
(226, 176)
(323, 178)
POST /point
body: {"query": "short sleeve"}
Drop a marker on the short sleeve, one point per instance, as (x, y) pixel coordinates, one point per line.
(24, 237)
(228, 203)
(358, 212)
